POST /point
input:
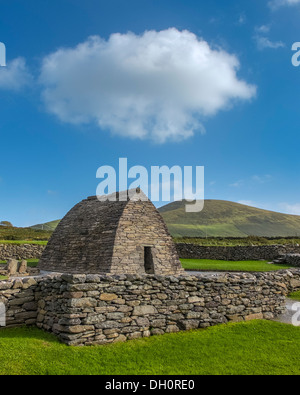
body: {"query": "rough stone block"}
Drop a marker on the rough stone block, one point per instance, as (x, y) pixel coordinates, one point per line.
(108, 296)
(144, 310)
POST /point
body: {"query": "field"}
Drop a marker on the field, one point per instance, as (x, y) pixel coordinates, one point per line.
(212, 265)
(21, 235)
(242, 266)
(236, 348)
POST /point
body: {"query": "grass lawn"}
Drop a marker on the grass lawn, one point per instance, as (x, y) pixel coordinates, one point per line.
(294, 295)
(30, 262)
(256, 347)
(242, 266)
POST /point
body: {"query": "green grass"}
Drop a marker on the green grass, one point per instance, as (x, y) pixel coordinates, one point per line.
(294, 295)
(30, 262)
(38, 242)
(246, 348)
(3, 278)
(242, 266)
(24, 235)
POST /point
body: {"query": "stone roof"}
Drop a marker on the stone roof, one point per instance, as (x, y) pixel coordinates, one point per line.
(105, 236)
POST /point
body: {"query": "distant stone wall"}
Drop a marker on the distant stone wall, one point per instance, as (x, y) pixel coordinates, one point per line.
(187, 251)
(292, 259)
(235, 253)
(94, 309)
(20, 299)
(20, 251)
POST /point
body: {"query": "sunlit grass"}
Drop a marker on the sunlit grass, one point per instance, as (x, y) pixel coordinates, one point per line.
(242, 266)
(256, 348)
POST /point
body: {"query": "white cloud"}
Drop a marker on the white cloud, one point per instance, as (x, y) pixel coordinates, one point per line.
(51, 192)
(262, 29)
(248, 203)
(286, 208)
(290, 208)
(262, 179)
(15, 75)
(159, 85)
(275, 4)
(265, 42)
(242, 19)
(237, 184)
(262, 41)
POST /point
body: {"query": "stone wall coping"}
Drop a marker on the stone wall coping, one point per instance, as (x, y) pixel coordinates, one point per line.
(97, 278)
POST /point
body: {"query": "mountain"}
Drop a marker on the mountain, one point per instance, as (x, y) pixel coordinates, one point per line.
(50, 226)
(221, 218)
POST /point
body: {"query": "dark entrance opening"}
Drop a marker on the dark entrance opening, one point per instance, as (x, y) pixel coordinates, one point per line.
(148, 260)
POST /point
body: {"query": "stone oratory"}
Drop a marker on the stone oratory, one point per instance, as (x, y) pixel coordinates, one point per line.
(101, 236)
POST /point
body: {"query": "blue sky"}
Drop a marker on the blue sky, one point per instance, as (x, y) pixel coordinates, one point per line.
(138, 89)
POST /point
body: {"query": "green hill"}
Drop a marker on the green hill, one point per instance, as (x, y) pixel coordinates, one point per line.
(228, 219)
(220, 218)
(49, 226)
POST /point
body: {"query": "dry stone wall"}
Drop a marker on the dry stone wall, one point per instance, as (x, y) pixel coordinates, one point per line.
(185, 251)
(235, 253)
(20, 251)
(20, 299)
(291, 259)
(96, 309)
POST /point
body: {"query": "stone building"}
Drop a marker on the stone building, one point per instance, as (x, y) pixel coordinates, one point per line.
(126, 236)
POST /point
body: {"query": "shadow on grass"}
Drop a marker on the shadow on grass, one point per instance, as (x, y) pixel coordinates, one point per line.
(28, 332)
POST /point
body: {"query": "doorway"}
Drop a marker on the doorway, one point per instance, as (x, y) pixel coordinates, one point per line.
(148, 260)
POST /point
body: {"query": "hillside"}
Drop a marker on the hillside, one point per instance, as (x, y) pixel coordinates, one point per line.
(228, 219)
(48, 226)
(23, 234)
(220, 218)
